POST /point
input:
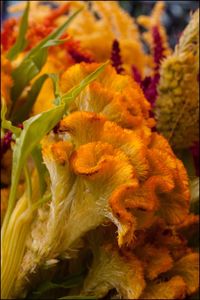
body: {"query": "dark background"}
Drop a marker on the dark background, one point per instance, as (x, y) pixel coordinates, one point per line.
(175, 18)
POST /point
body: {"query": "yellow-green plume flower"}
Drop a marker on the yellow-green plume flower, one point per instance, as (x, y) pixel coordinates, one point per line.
(177, 105)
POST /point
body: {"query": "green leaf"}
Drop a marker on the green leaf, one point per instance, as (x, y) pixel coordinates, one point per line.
(54, 35)
(57, 93)
(54, 43)
(5, 124)
(75, 91)
(28, 184)
(34, 129)
(26, 71)
(35, 60)
(70, 282)
(21, 42)
(21, 114)
(41, 169)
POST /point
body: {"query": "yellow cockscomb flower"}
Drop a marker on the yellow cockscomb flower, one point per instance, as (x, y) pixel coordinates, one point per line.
(112, 268)
(177, 106)
(110, 174)
(117, 97)
(55, 65)
(147, 271)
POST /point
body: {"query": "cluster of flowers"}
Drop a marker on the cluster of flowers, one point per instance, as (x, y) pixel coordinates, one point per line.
(117, 190)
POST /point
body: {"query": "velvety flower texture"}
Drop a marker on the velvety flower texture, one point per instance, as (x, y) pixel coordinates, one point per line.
(177, 106)
(106, 167)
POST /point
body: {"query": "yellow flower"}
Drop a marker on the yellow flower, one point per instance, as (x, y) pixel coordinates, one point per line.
(46, 96)
(97, 35)
(112, 268)
(115, 96)
(147, 271)
(177, 105)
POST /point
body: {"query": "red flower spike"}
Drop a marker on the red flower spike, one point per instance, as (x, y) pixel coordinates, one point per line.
(7, 139)
(116, 57)
(8, 37)
(37, 32)
(136, 74)
(149, 87)
(158, 48)
(5, 142)
(149, 84)
(77, 53)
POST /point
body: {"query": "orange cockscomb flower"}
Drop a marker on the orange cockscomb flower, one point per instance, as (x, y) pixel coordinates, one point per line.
(147, 271)
(107, 168)
(117, 97)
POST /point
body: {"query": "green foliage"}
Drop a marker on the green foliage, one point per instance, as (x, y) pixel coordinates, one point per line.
(35, 60)
(21, 42)
(6, 124)
(21, 114)
(35, 128)
(41, 169)
(69, 282)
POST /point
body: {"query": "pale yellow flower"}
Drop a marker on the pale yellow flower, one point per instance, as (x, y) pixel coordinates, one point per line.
(177, 105)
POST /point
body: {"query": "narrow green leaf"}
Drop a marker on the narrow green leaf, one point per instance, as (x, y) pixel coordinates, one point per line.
(21, 114)
(28, 184)
(44, 199)
(41, 169)
(18, 116)
(21, 42)
(57, 93)
(6, 124)
(54, 43)
(75, 91)
(26, 71)
(71, 282)
(35, 60)
(54, 35)
(34, 129)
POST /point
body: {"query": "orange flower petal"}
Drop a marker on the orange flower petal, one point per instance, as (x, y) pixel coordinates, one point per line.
(188, 268)
(175, 288)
